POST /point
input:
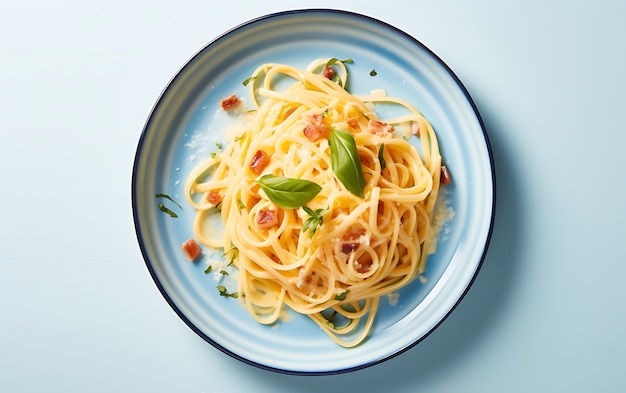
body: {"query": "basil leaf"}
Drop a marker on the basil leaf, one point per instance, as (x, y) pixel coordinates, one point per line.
(287, 192)
(381, 150)
(346, 162)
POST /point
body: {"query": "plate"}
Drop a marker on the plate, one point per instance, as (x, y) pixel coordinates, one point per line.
(186, 123)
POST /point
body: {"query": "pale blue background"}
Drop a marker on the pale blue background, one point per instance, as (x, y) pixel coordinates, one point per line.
(80, 313)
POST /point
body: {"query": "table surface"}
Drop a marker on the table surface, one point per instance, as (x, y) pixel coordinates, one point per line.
(80, 312)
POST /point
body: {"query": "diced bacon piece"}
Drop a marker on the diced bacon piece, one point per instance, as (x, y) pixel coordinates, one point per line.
(353, 122)
(266, 219)
(352, 240)
(229, 103)
(213, 197)
(445, 176)
(191, 249)
(363, 266)
(347, 248)
(314, 134)
(259, 161)
(379, 128)
(328, 72)
(316, 129)
(415, 128)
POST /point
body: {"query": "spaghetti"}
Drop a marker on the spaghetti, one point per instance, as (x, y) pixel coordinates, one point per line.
(336, 255)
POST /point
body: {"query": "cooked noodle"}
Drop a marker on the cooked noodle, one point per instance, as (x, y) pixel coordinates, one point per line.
(366, 247)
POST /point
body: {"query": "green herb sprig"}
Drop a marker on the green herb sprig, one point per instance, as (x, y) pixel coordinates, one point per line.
(168, 211)
(224, 292)
(334, 60)
(164, 208)
(336, 78)
(248, 80)
(234, 252)
(315, 220)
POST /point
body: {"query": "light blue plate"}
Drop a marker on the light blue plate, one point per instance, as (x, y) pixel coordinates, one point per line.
(186, 122)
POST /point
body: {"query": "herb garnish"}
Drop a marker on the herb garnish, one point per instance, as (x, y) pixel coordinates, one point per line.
(168, 211)
(208, 270)
(164, 209)
(345, 161)
(248, 80)
(315, 220)
(235, 252)
(336, 78)
(287, 192)
(381, 159)
(224, 292)
(373, 72)
(168, 197)
(332, 61)
(342, 296)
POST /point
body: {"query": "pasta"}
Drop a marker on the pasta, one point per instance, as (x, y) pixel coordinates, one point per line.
(362, 230)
